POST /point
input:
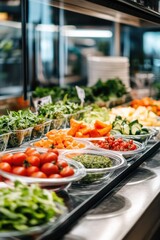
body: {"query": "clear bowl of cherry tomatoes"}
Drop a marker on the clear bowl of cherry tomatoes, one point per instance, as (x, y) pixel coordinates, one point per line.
(126, 147)
(46, 168)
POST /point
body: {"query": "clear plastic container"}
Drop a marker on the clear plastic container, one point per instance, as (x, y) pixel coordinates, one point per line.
(17, 137)
(79, 172)
(99, 174)
(58, 123)
(38, 131)
(27, 135)
(127, 154)
(86, 145)
(142, 138)
(37, 231)
(4, 141)
(47, 126)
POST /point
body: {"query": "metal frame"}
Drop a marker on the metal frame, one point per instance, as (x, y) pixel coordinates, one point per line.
(24, 47)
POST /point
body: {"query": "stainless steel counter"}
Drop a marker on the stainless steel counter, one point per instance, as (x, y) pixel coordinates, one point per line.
(131, 211)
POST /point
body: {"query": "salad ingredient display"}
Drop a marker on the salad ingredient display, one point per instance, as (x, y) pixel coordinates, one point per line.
(80, 129)
(101, 91)
(126, 127)
(116, 144)
(60, 140)
(23, 207)
(93, 161)
(59, 109)
(149, 103)
(145, 116)
(31, 163)
(96, 112)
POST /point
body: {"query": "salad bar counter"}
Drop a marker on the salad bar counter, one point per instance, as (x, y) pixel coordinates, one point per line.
(81, 196)
(55, 174)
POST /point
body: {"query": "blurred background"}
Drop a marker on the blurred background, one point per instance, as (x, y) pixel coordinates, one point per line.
(60, 40)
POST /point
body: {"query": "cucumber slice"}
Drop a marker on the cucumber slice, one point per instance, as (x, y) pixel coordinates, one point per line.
(126, 129)
(134, 122)
(115, 132)
(136, 129)
(117, 127)
(145, 130)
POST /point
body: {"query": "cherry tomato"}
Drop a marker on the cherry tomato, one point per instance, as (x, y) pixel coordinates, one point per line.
(48, 157)
(67, 171)
(33, 161)
(49, 168)
(54, 150)
(116, 144)
(32, 169)
(8, 157)
(19, 171)
(62, 163)
(38, 174)
(5, 166)
(55, 175)
(18, 158)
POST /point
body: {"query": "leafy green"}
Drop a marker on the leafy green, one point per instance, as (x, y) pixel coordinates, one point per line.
(101, 91)
(59, 109)
(23, 119)
(101, 113)
(4, 124)
(22, 207)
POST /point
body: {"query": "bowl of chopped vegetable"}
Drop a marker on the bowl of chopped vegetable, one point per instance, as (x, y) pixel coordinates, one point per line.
(60, 140)
(46, 168)
(99, 165)
(132, 130)
(126, 147)
(27, 211)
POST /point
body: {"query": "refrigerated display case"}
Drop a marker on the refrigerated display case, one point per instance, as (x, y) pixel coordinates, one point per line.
(44, 62)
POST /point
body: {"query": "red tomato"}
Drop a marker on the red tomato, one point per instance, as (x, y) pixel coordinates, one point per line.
(49, 168)
(54, 150)
(62, 163)
(38, 174)
(5, 166)
(29, 149)
(18, 158)
(48, 157)
(19, 171)
(31, 169)
(33, 161)
(67, 171)
(8, 157)
(32, 152)
(55, 175)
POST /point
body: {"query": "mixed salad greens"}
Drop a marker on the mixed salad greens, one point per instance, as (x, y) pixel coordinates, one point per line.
(101, 91)
(23, 119)
(59, 109)
(96, 112)
(22, 207)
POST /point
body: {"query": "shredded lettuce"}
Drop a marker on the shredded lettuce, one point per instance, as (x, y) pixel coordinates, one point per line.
(23, 206)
